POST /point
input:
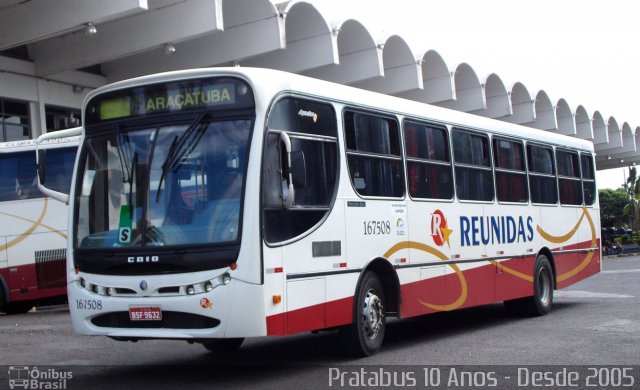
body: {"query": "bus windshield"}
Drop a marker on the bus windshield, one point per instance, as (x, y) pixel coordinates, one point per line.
(165, 185)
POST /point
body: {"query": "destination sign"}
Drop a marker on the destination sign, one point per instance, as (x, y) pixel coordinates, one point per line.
(169, 97)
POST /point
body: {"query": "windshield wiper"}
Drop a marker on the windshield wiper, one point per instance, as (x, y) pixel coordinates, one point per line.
(181, 147)
(124, 155)
(128, 162)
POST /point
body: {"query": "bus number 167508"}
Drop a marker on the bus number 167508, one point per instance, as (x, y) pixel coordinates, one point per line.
(372, 228)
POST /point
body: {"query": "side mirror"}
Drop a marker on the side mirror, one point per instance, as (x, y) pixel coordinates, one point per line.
(42, 167)
(288, 192)
(41, 162)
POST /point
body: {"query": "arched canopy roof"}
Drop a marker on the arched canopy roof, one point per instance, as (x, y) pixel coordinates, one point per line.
(545, 113)
(522, 104)
(469, 94)
(584, 126)
(302, 36)
(437, 79)
(401, 70)
(565, 118)
(358, 56)
(497, 98)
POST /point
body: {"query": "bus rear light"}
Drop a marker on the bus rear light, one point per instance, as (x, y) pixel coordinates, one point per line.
(277, 299)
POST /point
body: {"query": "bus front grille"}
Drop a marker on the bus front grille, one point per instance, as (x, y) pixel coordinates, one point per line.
(170, 320)
(50, 268)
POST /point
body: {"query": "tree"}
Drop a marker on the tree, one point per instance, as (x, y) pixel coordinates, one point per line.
(612, 204)
(632, 187)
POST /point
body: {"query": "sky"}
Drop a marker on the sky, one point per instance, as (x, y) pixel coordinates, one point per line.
(584, 51)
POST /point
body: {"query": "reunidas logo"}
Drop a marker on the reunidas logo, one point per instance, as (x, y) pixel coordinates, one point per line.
(32, 378)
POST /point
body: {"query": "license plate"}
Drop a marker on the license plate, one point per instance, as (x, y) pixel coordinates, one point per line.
(145, 314)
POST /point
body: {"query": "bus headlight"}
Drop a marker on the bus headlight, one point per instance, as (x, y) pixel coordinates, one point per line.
(208, 286)
(191, 290)
(226, 278)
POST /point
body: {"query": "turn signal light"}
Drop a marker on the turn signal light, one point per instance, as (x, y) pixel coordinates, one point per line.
(277, 299)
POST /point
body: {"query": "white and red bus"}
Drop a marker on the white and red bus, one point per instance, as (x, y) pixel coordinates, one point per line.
(33, 229)
(217, 204)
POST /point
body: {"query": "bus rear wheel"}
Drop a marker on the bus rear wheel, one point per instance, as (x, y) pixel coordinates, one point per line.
(3, 298)
(223, 345)
(364, 337)
(17, 307)
(540, 303)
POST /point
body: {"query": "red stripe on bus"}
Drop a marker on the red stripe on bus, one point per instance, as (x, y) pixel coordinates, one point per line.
(485, 284)
(324, 315)
(24, 278)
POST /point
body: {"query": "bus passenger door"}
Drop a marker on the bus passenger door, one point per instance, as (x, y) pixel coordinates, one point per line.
(303, 222)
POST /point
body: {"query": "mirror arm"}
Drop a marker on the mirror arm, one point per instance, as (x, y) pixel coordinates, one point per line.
(62, 197)
(288, 202)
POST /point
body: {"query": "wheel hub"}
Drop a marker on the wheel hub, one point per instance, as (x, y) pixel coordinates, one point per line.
(373, 314)
(544, 286)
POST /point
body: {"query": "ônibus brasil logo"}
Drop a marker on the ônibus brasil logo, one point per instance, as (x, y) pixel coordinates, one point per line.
(33, 378)
(439, 230)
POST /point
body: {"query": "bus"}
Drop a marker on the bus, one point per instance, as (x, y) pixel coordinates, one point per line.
(33, 229)
(218, 204)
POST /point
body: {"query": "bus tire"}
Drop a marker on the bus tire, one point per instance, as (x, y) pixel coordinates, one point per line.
(540, 303)
(223, 345)
(3, 299)
(365, 335)
(17, 307)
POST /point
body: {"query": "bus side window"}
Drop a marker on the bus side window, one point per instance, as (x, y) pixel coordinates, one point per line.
(60, 169)
(511, 175)
(588, 179)
(8, 183)
(428, 162)
(472, 162)
(311, 129)
(542, 175)
(569, 177)
(373, 155)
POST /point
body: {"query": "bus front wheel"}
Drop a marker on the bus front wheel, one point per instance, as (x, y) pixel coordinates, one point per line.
(223, 345)
(540, 303)
(364, 337)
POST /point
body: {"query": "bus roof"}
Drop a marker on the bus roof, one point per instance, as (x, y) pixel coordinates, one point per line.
(30, 144)
(269, 83)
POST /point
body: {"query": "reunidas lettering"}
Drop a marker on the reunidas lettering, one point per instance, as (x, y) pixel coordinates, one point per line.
(504, 229)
